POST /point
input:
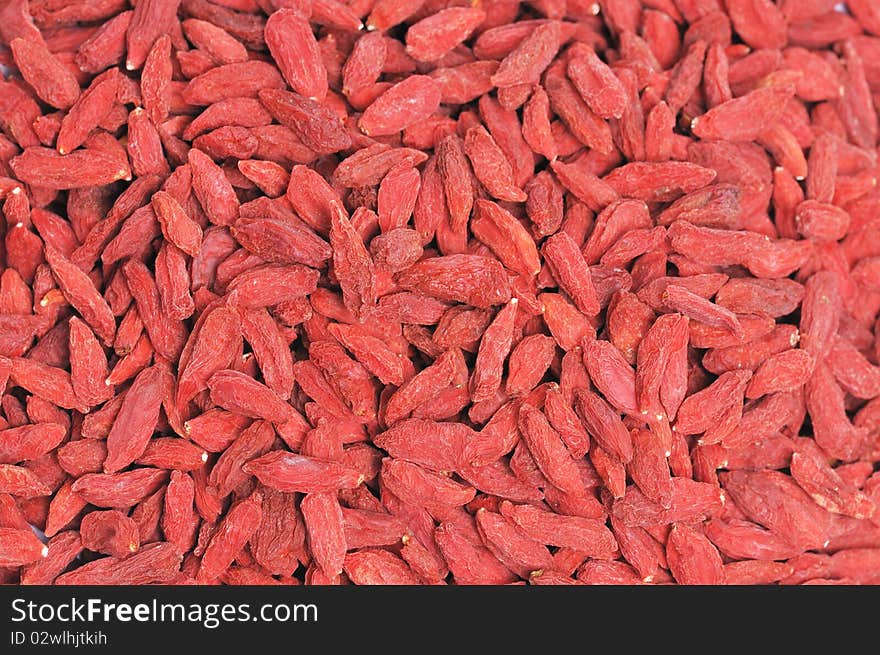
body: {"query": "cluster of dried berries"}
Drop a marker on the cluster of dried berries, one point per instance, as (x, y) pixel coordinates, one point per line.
(439, 291)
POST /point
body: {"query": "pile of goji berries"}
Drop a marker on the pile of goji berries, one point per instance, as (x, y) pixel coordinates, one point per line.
(439, 291)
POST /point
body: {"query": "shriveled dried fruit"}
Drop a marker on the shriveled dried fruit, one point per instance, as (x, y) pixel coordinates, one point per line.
(408, 292)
